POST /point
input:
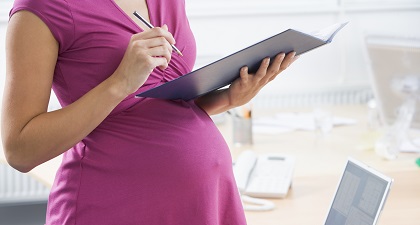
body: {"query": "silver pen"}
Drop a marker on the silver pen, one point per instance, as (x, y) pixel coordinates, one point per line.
(151, 26)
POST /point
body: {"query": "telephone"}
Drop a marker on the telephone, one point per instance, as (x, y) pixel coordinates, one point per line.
(265, 176)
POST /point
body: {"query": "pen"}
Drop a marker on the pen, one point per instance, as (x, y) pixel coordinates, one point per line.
(151, 26)
(233, 113)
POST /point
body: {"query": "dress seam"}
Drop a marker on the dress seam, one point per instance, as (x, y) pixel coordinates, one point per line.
(68, 96)
(80, 183)
(74, 26)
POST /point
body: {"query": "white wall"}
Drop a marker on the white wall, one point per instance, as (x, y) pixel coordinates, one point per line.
(223, 26)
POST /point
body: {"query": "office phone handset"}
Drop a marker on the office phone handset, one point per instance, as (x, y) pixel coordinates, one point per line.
(265, 176)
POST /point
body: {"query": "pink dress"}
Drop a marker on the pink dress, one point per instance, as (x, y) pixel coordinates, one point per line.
(150, 161)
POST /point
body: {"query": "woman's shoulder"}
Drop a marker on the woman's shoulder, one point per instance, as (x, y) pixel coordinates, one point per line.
(56, 14)
(41, 6)
(51, 10)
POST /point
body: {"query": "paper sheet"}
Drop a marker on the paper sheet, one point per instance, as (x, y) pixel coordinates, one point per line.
(288, 122)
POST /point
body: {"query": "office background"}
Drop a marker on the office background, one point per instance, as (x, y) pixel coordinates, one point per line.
(335, 74)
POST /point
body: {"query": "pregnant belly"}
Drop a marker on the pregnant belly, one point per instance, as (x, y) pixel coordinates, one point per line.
(162, 155)
(158, 141)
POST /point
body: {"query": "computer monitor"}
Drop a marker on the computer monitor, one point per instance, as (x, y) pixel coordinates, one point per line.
(392, 58)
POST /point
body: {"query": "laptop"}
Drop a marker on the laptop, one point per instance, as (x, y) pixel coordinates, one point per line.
(360, 196)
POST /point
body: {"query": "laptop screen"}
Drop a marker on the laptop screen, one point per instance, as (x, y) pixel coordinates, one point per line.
(360, 196)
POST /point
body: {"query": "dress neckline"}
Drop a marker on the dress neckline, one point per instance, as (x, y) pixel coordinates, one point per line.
(151, 16)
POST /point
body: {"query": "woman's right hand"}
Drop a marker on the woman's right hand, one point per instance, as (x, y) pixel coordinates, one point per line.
(146, 51)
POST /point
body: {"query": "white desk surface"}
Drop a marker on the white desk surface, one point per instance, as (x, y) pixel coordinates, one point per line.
(320, 162)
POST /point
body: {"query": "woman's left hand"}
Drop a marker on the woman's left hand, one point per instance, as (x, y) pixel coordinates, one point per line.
(246, 87)
(243, 89)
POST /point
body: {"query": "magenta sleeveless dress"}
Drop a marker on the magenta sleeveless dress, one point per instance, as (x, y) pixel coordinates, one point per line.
(150, 161)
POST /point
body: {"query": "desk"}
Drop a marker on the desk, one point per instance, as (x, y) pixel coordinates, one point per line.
(320, 162)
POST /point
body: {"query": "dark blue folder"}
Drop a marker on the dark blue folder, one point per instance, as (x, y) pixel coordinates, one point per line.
(224, 71)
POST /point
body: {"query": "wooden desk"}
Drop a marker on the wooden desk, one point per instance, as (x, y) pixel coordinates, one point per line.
(320, 162)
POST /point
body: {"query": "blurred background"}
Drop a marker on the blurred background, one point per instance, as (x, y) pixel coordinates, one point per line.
(340, 73)
(340, 69)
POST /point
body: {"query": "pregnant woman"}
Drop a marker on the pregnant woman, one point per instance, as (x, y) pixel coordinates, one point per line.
(126, 160)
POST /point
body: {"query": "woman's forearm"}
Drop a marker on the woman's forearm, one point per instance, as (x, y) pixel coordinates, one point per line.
(215, 102)
(49, 134)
